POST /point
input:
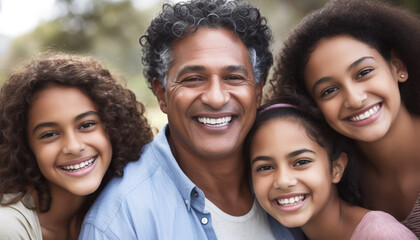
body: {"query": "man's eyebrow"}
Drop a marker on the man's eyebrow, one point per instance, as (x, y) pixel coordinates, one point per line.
(237, 68)
(190, 68)
(199, 68)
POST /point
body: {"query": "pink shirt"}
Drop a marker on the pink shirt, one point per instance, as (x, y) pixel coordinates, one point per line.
(412, 222)
(381, 225)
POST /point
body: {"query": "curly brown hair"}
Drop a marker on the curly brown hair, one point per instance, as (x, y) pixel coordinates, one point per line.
(120, 112)
(383, 26)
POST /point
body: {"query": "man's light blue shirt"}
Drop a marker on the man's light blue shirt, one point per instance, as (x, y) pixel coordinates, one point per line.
(156, 200)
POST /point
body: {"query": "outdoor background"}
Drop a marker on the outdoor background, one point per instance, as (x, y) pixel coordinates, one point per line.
(109, 30)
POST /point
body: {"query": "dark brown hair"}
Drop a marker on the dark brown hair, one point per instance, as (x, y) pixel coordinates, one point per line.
(318, 131)
(378, 24)
(120, 112)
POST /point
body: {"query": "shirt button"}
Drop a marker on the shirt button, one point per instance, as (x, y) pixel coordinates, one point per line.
(196, 194)
(186, 202)
(204, 220)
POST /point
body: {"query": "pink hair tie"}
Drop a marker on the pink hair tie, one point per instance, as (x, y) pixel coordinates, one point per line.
(277, 105)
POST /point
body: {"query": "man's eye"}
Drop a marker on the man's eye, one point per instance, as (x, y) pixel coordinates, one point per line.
(234, 77)
(192, 79)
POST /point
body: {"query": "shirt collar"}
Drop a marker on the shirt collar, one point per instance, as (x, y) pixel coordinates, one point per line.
(191, 194)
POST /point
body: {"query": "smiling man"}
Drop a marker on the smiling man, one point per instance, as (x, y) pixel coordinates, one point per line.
(207, 62)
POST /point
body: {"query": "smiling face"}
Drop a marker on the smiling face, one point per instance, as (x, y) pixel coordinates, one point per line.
(291, 173)
(211, 96)
(69, 142)
(355, 87)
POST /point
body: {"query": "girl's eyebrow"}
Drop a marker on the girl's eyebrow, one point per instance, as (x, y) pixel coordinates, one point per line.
(43, 125)
(53, 124)
(261, 158)
(290, 155)
(358, 61)
(353, 65)
(298, 152)
(85, 114)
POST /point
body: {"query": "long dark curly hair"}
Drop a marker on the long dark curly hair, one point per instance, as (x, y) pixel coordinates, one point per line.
(381, 25)
(120, 112)
(176, 21)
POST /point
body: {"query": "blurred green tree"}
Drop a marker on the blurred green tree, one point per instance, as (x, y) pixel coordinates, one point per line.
(109, 30)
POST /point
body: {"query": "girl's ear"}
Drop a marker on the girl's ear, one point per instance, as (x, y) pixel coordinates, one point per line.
(338, 167)
(159, 90)
(398, 68)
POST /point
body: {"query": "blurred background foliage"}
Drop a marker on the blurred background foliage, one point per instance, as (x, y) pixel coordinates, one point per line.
(109, 30)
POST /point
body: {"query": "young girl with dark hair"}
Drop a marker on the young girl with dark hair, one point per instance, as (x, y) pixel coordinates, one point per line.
(300, 176)
(66, 128)
(357, 63)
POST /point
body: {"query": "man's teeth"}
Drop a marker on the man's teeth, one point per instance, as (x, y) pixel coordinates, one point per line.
(79, 166)
(215, 122)
(290, 201)
(366, 114)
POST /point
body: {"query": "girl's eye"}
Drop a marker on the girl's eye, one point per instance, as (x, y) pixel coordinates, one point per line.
(48, 135)
(302, 162)
(264, 168)
(328, 91)
(87, 125)
(363, 73)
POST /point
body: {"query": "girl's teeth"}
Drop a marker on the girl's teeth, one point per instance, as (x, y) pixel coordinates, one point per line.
(76, 167)
(290, 201)
(366, 114)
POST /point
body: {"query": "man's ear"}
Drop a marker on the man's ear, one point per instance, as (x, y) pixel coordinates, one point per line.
(159, 90)
(259, 91)
(338, 167)
(398, 67)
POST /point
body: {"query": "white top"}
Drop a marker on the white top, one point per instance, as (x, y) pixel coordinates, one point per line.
(253, 225)
(19, 222)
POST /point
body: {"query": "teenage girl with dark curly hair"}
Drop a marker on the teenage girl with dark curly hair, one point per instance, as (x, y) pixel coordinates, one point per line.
(66, 128)
(357, 62)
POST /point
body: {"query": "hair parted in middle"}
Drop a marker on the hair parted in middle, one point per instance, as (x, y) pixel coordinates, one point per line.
(178, 20)
(378, 24)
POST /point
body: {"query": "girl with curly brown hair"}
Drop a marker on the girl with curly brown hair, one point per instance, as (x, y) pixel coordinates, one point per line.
(66, 128)
(357, 63)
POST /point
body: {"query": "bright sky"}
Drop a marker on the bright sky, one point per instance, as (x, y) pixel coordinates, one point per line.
(21, 16)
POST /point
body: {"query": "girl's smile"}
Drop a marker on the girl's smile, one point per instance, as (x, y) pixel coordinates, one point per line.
(292, 203)
(68, 139)
(291, 173)
(355, 87)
